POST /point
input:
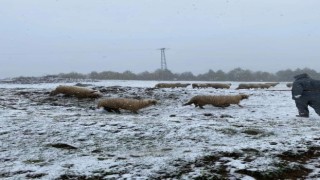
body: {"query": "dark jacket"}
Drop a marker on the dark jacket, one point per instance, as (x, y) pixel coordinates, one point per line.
(304, 85)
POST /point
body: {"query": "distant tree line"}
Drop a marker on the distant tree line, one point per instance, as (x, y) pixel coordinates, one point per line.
(237, 74)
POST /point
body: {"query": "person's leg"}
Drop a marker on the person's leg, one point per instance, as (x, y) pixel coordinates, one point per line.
(302, 106)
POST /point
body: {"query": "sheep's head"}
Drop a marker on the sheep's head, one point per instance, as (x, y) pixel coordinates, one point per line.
(95, 94)
(244, 96)
(99, 105)
(52, 93)
(152, 101)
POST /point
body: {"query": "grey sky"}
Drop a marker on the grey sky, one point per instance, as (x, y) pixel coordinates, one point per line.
(39, 37)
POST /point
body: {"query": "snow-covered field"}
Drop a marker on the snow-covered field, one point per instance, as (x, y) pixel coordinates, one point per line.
(44, 137)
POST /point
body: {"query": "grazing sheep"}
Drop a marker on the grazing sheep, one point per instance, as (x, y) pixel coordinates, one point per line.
(171, 85)
(217, 101)
(219, 85)
(182, 85)
(272, 84)
(212, 85)
(83, 85)
(198, 85)
(133, 105)
(244, 86)
(264, 86)
(79, 92)
(254, 86)
(164, 85)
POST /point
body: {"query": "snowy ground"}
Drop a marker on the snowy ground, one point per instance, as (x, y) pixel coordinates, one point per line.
(47, 137)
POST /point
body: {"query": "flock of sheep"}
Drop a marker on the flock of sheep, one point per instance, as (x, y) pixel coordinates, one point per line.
(110, 104)
(133, 105)
(217, 85)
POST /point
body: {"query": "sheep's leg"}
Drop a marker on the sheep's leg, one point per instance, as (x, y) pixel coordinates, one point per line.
(240, 106)
(117, 111)
(67, 95)
(225, 105)
(200, 106)
(108, 109)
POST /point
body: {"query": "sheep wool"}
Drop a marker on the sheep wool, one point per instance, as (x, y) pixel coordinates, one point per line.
(133, 105)
(79, 92)
(171, 85)
(272, 84)
(219, 85)
(255, 86)
(211, 85)
(217, 101)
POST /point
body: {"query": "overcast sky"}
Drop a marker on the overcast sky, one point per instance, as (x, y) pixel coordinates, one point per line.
(41, 37)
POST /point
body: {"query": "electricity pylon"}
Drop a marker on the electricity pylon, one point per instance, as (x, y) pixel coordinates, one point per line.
(163, 59)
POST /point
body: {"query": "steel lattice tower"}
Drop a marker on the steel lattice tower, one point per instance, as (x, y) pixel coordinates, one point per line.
(163, 59)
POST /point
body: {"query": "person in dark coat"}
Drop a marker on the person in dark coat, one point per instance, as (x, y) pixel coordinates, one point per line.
(306, 92)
